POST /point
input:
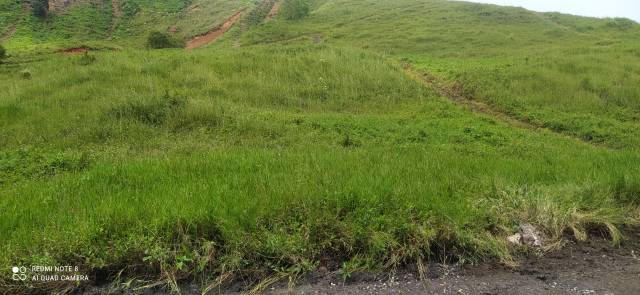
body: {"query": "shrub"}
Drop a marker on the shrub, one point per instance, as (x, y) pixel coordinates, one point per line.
(3, 53)
(621, 24)
(38, 164)
(158, 40)
(152, 112)
(87, 59)
(130, 9)
(25, 74)
(40, 8)
(295, 9)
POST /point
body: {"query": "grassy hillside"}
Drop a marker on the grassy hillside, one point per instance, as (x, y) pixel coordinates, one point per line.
(128, 24)
(574, 75)
(293, 144)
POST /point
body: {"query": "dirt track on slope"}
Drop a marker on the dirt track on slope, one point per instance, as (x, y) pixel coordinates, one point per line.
(275, 9)
(214, 34)
(117, 14)
(456, 94)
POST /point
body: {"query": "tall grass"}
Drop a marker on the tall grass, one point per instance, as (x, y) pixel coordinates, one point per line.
(265, 162)
(308, 147)
(574, 75)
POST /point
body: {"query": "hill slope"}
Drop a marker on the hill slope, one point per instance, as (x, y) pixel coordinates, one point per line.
(575, 75)
(120, 21)
(364, 135)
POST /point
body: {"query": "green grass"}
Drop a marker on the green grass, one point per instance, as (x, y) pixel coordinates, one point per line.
(575, 75)
(310, 146)
(84, 22)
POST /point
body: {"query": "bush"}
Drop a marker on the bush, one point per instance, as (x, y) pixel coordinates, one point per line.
(152, 112)
(3, 53)
(87, 59)
(295, 9)
(40, 8)
(621, 24)
(158, 40)
(25, 74)
(130, 9)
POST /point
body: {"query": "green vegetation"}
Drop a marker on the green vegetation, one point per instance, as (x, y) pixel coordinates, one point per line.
(96, 21)
(578, 76)
(158, 40)
(3, 53)
(257, 14)
(40, 8)
(295, 9)
(308, 144)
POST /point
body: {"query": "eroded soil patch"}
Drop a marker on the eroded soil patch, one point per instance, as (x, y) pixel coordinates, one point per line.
(75, 50)
(115, 19)
(275, 9)
(214, 34)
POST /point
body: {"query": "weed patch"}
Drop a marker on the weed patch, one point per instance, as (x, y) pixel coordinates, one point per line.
(153, 112)
(35, 164)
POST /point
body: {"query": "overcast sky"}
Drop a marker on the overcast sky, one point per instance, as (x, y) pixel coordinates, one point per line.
(599, 8)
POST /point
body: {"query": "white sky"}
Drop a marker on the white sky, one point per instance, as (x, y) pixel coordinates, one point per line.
(598, 8)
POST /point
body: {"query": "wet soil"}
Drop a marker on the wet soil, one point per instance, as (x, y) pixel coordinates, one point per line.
(592, 267)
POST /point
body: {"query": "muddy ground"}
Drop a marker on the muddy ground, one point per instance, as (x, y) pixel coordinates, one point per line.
(593, 267)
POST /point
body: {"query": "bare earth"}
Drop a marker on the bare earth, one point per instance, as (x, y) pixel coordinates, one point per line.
(215, 34)
(593, 267)
(117, 14)
(275, 9)
(74, 50)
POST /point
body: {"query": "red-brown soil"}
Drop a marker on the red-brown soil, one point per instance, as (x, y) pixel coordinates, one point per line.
(215, 34)
(274, 10)
(117, 14)
(75, 50)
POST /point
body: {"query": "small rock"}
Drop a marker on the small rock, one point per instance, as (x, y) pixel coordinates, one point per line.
(515, 239)
(530, 235)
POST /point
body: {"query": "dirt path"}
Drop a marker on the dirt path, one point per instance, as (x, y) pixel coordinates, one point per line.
(275, 9)
(6, 35)
(215, 34)
(117, 14)
(457, 95)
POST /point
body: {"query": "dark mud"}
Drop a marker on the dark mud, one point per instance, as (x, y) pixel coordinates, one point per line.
(592, 267)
